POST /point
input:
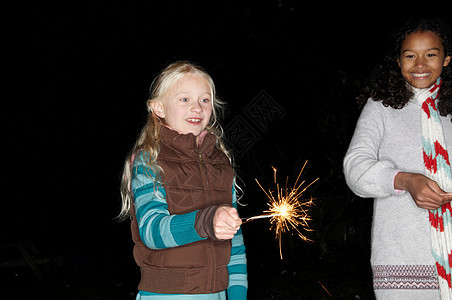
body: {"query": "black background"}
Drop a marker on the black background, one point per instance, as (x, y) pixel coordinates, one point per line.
(80, 78)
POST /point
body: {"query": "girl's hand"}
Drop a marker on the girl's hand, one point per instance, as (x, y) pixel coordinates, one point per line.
(226, 222)
(425, 192)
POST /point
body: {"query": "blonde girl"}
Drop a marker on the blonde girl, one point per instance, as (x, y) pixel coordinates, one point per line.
(178, 189)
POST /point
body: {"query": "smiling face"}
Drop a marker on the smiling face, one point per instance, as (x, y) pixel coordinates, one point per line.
(187, 106)
(422, 59)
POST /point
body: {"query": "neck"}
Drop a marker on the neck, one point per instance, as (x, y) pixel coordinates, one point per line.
(421, 94)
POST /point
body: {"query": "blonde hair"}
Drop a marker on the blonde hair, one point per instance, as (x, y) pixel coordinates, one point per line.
(149, 138)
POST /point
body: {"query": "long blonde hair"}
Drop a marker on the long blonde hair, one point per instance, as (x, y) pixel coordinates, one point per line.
(148, 140)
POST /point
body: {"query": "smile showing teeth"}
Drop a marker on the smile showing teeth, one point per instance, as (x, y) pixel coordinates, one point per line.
(194, 120)
(420, 75)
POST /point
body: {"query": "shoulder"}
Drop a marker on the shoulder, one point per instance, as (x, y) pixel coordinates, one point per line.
(140, 158)
(374, 104)
(376, 109)
(219, 156)
(141, 165)
(373, 110)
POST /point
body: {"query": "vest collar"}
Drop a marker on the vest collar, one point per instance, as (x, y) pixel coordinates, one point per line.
(187, 143)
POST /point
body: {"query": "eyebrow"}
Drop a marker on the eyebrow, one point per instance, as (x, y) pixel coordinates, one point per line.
(409, 50)
(188, 92)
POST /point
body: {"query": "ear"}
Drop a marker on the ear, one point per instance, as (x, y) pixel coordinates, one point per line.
(446, 61)
(157, 108)
(398, 61)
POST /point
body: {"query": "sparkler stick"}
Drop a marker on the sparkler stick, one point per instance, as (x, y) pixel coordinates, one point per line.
(285, 209)
(245, 220)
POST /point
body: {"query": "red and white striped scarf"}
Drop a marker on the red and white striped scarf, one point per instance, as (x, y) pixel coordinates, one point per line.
(438, 168)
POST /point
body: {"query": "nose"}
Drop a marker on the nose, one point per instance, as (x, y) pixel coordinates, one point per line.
(420, 62)
(196, 106)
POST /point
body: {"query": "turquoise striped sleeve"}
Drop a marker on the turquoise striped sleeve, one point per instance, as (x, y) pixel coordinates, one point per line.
(158, 228)
(238, 275)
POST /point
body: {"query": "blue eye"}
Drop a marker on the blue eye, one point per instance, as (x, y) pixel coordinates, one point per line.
(205, 100)
(184, 99)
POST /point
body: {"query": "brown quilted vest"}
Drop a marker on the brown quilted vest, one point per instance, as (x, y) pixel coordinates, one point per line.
(194, 178)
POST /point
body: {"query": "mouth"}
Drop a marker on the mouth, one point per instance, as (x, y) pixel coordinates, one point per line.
(420, 75)
(194, 121)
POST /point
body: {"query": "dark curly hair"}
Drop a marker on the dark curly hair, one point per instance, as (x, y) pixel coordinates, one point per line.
(386, 83)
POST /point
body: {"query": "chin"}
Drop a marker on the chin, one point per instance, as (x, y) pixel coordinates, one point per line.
(421, 84)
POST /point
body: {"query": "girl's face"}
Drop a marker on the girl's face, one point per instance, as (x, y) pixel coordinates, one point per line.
(187, 106)
(422, 59)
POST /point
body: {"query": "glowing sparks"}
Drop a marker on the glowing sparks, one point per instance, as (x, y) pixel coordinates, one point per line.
(285, 208)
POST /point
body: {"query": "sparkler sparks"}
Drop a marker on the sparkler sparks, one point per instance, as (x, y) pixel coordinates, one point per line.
(285, 208)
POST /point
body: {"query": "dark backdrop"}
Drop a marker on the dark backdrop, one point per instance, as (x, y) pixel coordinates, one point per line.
(289, 73)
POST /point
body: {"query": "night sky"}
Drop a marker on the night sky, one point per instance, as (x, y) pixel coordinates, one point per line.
(83, 74)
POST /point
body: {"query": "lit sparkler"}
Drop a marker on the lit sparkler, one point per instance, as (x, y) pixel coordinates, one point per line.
(285, 208)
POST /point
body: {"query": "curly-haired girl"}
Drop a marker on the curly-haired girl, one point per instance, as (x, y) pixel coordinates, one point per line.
(400, 155)
(388, 85)
(178, 188)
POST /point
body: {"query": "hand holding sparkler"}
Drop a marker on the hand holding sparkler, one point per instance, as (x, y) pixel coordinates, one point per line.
(226, 222)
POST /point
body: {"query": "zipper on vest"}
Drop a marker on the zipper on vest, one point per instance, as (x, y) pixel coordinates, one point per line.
(203, 174)
(211, 259)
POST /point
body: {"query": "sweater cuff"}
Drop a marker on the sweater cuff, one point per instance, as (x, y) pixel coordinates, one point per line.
(182, 229)
(237, 292)
(204, 222)
(388, 175)
(397, 191)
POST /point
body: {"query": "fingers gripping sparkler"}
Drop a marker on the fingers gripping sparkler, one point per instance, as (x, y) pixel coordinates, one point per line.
(285, 208)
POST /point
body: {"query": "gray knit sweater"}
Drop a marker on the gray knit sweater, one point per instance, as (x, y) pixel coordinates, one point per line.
(387, 141)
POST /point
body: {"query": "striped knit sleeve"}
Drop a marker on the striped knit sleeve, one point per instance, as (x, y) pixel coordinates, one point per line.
(158, 229)
(238, 276)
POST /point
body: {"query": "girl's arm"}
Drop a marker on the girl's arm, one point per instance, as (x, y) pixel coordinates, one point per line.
(238, 281)
(158, 229)
(366, 175)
